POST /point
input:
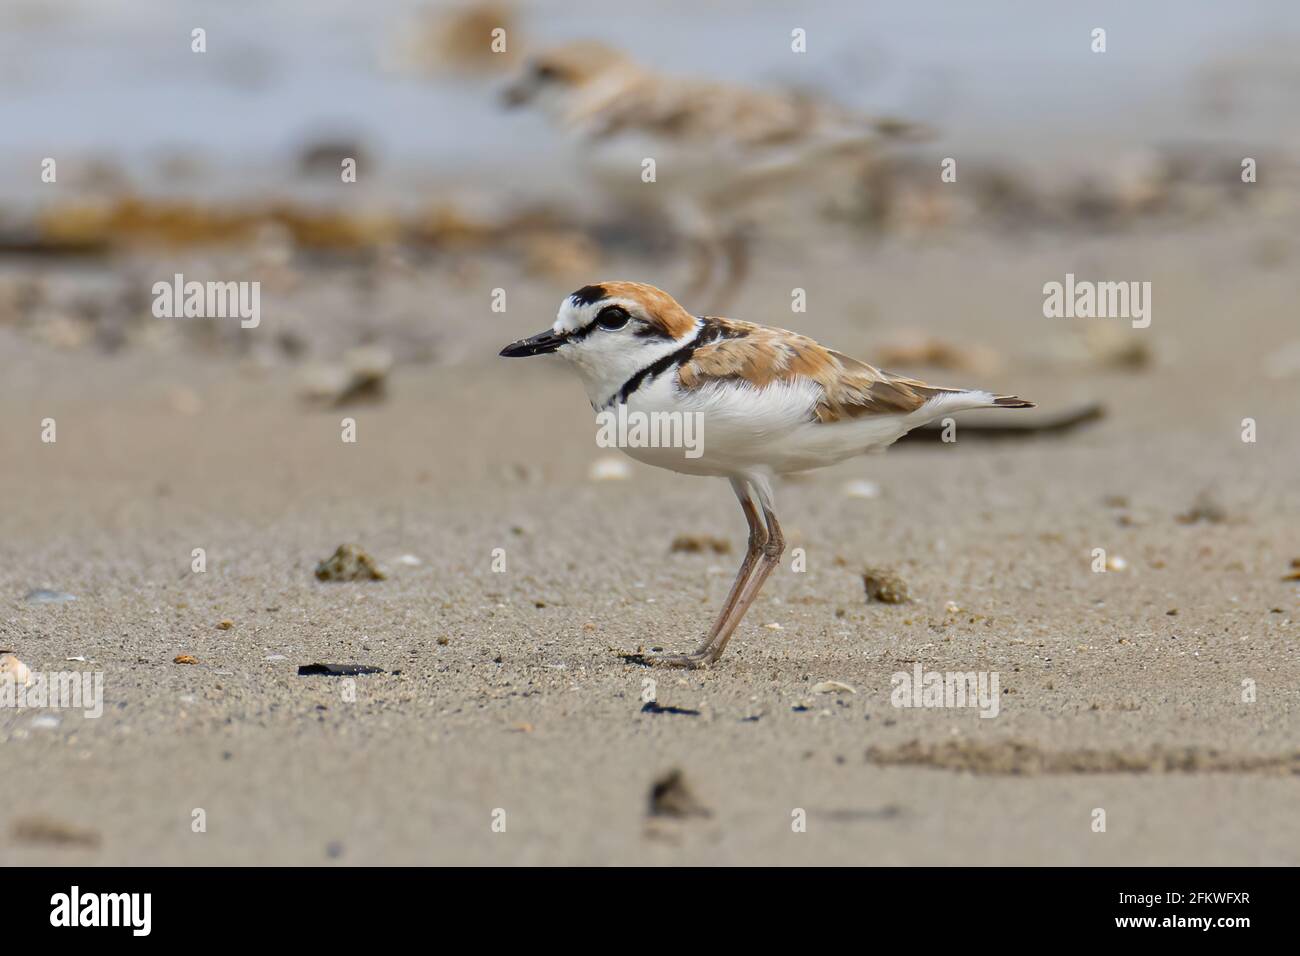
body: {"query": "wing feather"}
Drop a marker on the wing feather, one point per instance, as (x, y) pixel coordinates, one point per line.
(759, 356)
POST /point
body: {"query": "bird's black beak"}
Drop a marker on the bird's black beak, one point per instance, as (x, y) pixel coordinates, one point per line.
(542, 343)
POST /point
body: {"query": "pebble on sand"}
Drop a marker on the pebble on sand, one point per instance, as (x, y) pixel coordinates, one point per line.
(654, 707)
(185, 659)
(885, 585)
(361, 376)
(1204, 508)
(9, 664)
(338, 670)
(670, 797)
(349, 563)
(912, 349)
(697, 543)
(1111, 346)
(52, 832)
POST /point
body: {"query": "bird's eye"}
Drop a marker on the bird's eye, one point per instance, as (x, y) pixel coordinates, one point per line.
(612, 317)
(545, 72)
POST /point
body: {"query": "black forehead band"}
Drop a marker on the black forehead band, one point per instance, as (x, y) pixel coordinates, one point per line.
(588, 295)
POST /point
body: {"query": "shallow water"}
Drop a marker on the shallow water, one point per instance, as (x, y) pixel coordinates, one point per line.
(118, 78)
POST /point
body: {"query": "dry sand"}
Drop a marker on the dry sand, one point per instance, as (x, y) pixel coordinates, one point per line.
(505, 690)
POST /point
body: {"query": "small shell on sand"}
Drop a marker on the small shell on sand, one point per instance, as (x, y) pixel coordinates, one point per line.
(610, 468)
(44, 596)
(833, 687)
(860, 488)
(9, 664)
(885, 585)
(349, 563)
(185, 659)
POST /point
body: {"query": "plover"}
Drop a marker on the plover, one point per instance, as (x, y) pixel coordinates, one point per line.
(771, 402)
(716, 146)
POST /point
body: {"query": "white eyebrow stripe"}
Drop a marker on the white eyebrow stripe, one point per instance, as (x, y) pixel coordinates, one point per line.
(573, 319)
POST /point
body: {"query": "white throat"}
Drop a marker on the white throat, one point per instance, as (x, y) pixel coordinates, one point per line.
(604, 372)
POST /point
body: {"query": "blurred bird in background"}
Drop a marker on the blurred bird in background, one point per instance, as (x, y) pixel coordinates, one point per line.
(717, 147)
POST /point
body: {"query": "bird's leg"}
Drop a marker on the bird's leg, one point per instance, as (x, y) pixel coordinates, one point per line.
(765, 548)
(757, 538)
(698, 228)
(703, 260)
(773, 548)
(735, 252)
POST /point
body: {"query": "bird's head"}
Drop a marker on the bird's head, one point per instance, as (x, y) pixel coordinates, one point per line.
(551, 78)
(610, 331)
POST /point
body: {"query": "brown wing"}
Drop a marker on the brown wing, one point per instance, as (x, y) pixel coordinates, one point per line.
(861, 389)
(705, 112)
(741, 351)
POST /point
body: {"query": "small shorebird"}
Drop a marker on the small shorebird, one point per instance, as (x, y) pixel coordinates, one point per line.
(771, 402)
(716, 146)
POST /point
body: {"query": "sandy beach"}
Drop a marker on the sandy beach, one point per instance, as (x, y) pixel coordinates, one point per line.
(505, 690)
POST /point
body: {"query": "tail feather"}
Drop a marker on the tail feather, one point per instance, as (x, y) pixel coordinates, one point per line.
(945, 401)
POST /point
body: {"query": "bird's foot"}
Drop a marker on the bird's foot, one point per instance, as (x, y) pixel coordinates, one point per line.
(658, 658)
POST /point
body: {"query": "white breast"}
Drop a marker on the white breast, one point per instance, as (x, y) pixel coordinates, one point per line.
(739, 428)
(770, 430)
